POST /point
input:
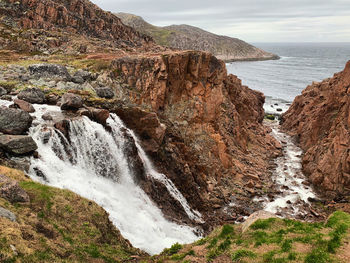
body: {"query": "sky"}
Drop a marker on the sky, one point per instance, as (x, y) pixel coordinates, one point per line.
(251, 20)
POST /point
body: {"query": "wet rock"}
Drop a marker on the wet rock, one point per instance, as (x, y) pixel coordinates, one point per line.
(14, 121)
(49, 70)
(17, 144)
(47, 117)
(98, 115)
(279, 110)
(104, 92)
(7, 214)
(63, 127)
(23, 105)
(71, 101)
(11, 191)
(32, 95)
(145, 124)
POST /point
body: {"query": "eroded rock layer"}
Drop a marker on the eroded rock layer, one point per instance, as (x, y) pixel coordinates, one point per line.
(320, 120)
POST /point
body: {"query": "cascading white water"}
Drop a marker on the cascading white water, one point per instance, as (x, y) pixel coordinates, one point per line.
(288, 178)
(94, 166)
(150, 170)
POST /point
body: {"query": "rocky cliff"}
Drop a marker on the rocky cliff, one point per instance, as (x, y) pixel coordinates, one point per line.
(187, 37)
(214, 142)
(74, 26)
(319, 118)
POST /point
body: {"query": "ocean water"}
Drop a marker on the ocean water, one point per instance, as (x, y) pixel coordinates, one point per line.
(300, 64)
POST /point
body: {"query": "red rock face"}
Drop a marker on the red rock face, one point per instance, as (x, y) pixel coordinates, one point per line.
(76, 16)
(214, 137)
(320, 119)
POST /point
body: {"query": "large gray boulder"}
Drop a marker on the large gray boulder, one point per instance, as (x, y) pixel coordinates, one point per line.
(17, 144)
(104, 92)
(7, 214)
(11, 191)
(49, 71)
(14, 121)
(32, 95)
(71, 101)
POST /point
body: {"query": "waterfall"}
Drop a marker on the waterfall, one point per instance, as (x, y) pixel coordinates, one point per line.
(93, 164)
(115, 123)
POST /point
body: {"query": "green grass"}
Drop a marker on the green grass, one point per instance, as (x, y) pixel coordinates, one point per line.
(263, 224)
(242, 253)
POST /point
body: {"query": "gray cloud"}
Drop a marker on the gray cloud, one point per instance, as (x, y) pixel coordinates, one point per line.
(250, 20)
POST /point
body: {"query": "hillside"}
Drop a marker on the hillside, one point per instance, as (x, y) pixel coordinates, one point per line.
(186, 37)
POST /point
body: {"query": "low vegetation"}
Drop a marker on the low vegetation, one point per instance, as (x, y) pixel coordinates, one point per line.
(270, 241)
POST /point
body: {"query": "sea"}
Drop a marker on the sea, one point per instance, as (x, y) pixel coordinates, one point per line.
(299, 65)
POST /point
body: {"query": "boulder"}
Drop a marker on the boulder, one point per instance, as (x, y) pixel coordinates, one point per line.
(32, 95)
(82, 75)
(254, 217)
(52, 99)
(3, 91)
(23, 105)
(11, 191)
(47, 117)
(71, 101)
(17, 144)
(7, 214)
(49, 70)
(14, 121)
(104, 92)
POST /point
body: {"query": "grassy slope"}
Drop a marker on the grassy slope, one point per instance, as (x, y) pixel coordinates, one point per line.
(59, 226)
(269, 241)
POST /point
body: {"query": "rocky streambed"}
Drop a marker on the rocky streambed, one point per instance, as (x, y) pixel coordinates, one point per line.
(292, 194)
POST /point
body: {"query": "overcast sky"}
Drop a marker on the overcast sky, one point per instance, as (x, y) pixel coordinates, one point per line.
(250, 20)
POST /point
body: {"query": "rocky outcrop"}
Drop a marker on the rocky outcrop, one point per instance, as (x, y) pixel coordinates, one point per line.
(187, 37)
(145, 124)
(319, 119)
(14, 121)
(49, 71)
(77, 16)
(214, 140)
